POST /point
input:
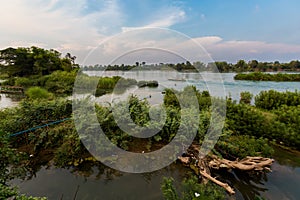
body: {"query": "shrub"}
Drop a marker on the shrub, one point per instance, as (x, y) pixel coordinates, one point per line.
(191, 190)
(38, 93)
(273, 99)
(246, 97)
(244, 145)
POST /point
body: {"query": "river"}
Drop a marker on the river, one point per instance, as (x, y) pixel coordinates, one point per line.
(227, 86)
(91, 182)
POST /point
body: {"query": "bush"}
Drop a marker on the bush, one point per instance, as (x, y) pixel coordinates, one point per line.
(60, 82)
(147, 84)
(244, 145)
(33, 113)
(24, 82)
(246, 97)
(273, 99)
(38, 93)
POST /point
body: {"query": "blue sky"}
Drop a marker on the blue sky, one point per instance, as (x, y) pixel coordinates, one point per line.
(265, 30)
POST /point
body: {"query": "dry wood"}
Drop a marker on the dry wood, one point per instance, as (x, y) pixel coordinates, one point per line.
(202, 166)
(224, 185)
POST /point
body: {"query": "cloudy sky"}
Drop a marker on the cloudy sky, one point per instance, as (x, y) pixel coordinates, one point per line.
(266, 30)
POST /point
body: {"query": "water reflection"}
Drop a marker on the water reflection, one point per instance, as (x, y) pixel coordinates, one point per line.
(89, 181)
(96, 181)
(247, 185)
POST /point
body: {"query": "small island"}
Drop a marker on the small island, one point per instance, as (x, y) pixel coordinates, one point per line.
(259, 76)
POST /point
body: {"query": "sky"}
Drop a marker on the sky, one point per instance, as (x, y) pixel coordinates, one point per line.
(265, 30)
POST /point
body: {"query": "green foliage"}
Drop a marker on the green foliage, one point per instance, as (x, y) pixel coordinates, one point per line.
(70, 147)
(246, 97)
(147, 84)
(23, 82)
(33, 113)
(259, 76)
(287, 124)
(168, 189)
(244, 119)
(191, 190)
(38, 93)
(34, 61)
(280, 124)
(60, 82)
(139, 110)
(244, 145)
(7, 192)
(8, 157)
(11, 166)
(173, 97)
(273, 99)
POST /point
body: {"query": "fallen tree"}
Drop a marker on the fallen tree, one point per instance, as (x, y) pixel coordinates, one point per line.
(203, 165)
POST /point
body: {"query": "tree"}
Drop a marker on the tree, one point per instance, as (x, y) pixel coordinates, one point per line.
(241, 65)
(16, 62)
(222, 66)
(253, 64)
(34, 61)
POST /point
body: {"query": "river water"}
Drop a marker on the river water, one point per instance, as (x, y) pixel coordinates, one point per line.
(91, 182)
(103, 183)
(220, 85)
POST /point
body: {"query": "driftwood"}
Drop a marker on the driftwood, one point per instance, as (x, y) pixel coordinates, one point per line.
(246, 164)
(202, 165)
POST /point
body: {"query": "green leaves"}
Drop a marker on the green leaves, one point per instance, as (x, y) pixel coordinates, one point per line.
(34, 61)
(259, 76)
(273, 99)
(191, 189)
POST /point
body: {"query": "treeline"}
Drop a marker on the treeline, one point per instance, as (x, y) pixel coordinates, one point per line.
(38, 61)
(223, 66)
(259, 76)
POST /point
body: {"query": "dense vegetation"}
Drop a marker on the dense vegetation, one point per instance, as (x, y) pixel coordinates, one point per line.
(34, 61)
(246, 132)
(258, 76)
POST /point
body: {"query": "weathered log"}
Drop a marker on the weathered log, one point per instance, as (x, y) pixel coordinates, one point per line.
(246, 164)
(202, 166)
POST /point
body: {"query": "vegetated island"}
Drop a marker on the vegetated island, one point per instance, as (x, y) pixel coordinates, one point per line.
(259, 76)
(48, 77)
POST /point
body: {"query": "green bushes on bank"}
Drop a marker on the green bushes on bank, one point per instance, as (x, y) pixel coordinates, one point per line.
(259, 76)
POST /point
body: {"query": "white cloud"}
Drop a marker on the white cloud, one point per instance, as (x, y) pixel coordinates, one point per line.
(56, 24)
(163, 18)
(63, 25)
(168, 19)
(235, 50)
